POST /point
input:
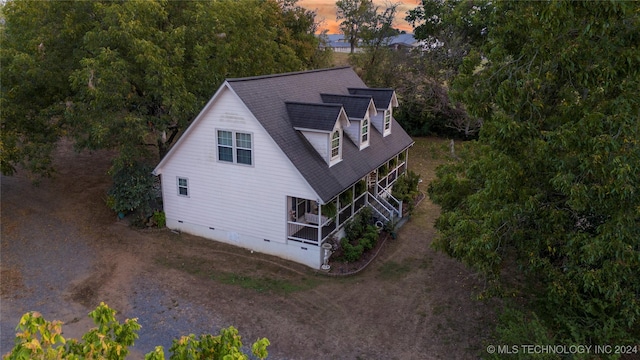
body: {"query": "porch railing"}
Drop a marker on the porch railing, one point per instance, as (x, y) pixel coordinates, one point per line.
(395, 204)
(301, 230)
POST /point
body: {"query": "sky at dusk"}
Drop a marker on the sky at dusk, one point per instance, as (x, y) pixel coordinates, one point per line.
(326, 13)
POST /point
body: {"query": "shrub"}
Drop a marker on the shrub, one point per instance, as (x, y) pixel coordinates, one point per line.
(365, 242)
(357, 226)
(160, 218)
(132, 190)
(353, 229)
(365, 215)
(350, 252)
(358, 231)
(372, 235)
(406, 187)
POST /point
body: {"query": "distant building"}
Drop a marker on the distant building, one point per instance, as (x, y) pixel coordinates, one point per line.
(403, 41)
(338, 42)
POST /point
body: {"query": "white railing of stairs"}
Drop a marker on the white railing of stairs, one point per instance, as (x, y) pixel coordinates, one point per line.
(384, 208)
(379, 208)
(386, 198)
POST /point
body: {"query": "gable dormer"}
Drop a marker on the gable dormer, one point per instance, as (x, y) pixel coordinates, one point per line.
(385, 100)
(322, 125)
(360, 109)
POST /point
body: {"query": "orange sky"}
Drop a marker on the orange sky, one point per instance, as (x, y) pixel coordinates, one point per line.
(326, 13)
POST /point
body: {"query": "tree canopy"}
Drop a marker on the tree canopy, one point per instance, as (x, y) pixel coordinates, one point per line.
(450, 29)
(550, 190)
(131, 75)
(38, 338)
(356, 16)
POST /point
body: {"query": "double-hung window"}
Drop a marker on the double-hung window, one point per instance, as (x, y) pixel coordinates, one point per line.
(225, 145)
(365, 131)
(183, 186)
(387, 120)
(335, 144)
(243, 148)
(235, 147)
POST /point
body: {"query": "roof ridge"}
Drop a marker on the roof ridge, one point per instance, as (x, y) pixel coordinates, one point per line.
(249, 78)
(313, 103)
(349, 95)
(370, 88)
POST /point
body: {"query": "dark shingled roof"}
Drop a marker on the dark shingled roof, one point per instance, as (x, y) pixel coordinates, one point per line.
(267, 97)
(321, 117)
(381, 97)
(355, 106)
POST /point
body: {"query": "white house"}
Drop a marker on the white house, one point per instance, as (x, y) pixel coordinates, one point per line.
(339, 43)
(279, 163)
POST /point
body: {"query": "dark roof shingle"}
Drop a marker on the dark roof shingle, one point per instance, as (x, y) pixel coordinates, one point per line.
(314, 116)
(267, 97)
(381, 97)
(356, 106)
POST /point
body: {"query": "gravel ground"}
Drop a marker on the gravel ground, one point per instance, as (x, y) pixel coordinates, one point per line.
(41, 258)
(51, 266)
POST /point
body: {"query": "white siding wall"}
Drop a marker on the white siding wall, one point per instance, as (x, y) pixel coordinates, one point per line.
(353, 131)
(320, 142)
(378, 122)
(237, 204)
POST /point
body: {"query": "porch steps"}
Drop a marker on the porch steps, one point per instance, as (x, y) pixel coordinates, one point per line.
(382, 208)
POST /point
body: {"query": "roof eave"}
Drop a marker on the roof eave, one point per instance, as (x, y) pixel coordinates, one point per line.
(158, 169)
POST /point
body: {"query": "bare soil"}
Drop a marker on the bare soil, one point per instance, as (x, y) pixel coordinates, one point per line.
(63, 252)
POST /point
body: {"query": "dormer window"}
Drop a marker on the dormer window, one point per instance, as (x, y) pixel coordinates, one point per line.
(323, 126)
(335, 144)
(387, 120)
(365, 131)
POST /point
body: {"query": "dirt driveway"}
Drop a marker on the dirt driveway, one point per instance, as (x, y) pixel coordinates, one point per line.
(63, 253)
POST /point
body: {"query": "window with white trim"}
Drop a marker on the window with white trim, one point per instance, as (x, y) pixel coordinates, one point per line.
(243, 148)
(335, 144)
(183, 186)
(225, 146)
(365, 131)
(235, 147)
(387, 120)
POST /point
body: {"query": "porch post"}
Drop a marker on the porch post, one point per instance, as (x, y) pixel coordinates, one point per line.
(319, 223)
(353, 198)
(406, 160)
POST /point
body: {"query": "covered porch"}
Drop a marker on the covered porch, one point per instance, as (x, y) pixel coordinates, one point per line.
(312, 223)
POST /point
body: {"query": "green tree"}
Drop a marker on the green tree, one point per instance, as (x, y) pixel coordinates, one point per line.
(38, 338)
(450, 29)
(357, 18)
(129, 76)
(551, 188)
(302, 28)
(36, 57)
